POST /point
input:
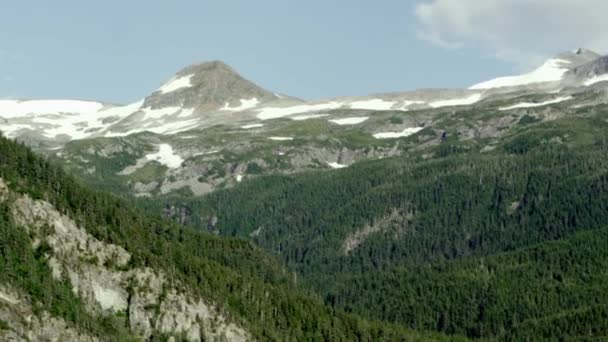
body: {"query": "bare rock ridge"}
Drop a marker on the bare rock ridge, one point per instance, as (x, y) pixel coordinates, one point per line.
(587, 72)
(578, 57)
(100, 275)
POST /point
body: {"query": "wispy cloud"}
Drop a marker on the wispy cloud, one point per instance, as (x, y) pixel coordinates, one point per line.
(519, 31)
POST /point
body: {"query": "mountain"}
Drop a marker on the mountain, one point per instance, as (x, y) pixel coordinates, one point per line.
(209, 86)
(83, 265)
(493, 238)
(217, 149)
(210, 94)
(549, 75)
(467, 212)
(591, 73)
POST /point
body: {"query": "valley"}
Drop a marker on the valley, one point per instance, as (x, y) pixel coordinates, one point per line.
(214, 209)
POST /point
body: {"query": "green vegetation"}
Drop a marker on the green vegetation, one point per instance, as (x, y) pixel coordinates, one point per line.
(27, 269)
(532, 290)
(250, 286)
(459, 243)
(495, 231)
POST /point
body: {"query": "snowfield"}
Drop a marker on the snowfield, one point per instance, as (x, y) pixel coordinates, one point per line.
(375, 104)
(16, 109)
(539, 104)
(166, 156)
(252, 126)
(176, 83)
(158, 113)
(457, 102)
(553, 70)
(279, 112)
(245, 104)
(350, 121)
(165, 127)
(122, 111)
(72, 118)
(596, 79)
(335, 165)
(408, 103)
(393, 135)
(306, 117)
(281, 138)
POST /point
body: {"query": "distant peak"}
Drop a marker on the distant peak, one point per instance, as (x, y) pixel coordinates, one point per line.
(578, 56)
(205, 67)
(581, 51)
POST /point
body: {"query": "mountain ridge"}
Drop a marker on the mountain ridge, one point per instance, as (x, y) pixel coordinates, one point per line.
(213, 93)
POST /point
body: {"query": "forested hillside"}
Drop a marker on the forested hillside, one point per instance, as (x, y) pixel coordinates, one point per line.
(421, 241)
(253, 289)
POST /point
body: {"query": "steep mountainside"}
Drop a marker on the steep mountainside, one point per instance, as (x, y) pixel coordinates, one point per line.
(360, 234)
(82, 264)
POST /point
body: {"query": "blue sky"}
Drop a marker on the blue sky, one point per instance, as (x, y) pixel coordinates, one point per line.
(119, 51)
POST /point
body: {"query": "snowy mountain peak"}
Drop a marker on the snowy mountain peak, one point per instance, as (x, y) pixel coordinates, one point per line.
(207, 86)
(553, 70)
(578, 57)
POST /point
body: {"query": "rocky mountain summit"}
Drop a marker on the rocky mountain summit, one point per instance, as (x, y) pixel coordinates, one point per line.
(208, 86)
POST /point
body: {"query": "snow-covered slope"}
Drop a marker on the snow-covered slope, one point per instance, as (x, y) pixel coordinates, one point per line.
(59, 119)
(537, 104)
(209, 94)
(553, 70)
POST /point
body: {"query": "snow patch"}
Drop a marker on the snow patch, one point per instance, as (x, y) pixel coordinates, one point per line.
(596, 79)
(158, 113)
(16, 109)
(252, 126)
(375, 104)
(76, 119)
(553, 70)
(281, 138)
(350, 121)
(306, 117)
(392, 135)
(205, 153)
(456, 102)
(245, 104)
(122, 111)
(335, 165)
(279, 112)
(176, 83)
(186, 113)
(166, 156)
(407, 103)
(539, 104)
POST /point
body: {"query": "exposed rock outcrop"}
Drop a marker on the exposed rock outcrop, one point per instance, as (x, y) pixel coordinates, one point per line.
(100, 274)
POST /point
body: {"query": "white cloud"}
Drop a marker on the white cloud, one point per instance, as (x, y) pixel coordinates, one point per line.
(520, 31)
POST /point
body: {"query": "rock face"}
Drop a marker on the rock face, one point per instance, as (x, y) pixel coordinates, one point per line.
(16, 311)
(594, 68)
(100, 274)
(578, 57)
